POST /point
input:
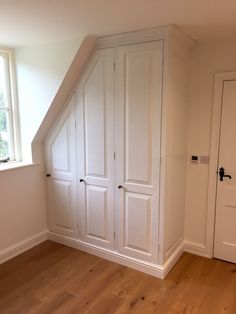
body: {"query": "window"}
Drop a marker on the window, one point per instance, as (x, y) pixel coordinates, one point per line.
(9, 135)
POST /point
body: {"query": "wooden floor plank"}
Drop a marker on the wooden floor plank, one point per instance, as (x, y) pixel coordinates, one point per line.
(52, 278)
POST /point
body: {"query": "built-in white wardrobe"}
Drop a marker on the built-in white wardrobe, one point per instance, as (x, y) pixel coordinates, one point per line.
(116, 156)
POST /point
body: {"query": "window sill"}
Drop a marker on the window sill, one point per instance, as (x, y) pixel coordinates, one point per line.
(15, 165)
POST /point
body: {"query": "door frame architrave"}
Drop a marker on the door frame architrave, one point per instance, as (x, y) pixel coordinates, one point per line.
(214, 156)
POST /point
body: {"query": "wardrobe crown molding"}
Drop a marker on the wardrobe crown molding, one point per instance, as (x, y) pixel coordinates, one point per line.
(151, 34)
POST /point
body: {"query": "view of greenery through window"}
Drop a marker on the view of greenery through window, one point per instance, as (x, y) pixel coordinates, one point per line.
(3, 128)
(7, 118)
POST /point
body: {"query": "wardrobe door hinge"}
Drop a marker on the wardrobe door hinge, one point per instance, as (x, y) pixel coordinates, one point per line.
(114, 234)
(114, 66)
(114, 156)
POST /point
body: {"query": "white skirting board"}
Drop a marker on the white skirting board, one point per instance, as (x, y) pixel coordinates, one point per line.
(196, 249)
(23, 246)
(146, 267)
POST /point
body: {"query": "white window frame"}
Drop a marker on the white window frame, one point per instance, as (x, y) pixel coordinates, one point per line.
(12, 104)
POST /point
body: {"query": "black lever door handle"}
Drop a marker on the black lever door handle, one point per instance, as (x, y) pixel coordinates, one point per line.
(48, 175)
(223, 175)
(119, 186)
(81, 180)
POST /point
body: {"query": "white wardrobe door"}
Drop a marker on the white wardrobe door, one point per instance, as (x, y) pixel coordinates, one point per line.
(95, 151)
(61, 184)
(137, 138)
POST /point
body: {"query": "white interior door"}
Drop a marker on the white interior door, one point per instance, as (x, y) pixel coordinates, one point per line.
(95, 151)
(61, 174)
(225, 229)
(138, 124)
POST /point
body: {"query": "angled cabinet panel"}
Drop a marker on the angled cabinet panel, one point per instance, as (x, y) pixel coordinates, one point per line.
(138, 138)
(95, 128)
(61, 184)
(60, 156)
(94, 115)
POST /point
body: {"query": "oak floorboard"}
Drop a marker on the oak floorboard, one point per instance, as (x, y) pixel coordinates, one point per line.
(52, 278)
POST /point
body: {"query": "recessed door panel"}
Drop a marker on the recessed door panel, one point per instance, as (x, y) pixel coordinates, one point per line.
(61, 207)
(138, 206)
(138, 117)
(97, 212)
(94, 114)
(137, 136)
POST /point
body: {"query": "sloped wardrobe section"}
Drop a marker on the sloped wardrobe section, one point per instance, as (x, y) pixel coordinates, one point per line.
(116, 156)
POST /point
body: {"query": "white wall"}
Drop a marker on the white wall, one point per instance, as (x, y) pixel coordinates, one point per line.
(40, 71)
(207, 59)
(22, 206)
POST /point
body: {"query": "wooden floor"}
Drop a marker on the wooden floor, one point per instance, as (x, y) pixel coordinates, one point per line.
(52, 278)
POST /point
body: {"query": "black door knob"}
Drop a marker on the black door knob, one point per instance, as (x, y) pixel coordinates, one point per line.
(48, 175)
(119, 186)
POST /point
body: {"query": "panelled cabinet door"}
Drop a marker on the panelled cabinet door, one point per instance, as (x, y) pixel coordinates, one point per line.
(137, 137)
(94, 114)
(61, 184)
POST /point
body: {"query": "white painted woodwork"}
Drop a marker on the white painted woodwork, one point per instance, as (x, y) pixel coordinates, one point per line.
(174, 150)
(61, 185)
(94, 114)
(225, 231)
(130, 115)
(138, 209)
(138, 116)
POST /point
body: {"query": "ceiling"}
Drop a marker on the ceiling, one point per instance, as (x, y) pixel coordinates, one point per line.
(27, 22)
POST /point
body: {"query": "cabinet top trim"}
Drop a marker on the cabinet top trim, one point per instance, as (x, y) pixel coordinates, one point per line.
(145, 35)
